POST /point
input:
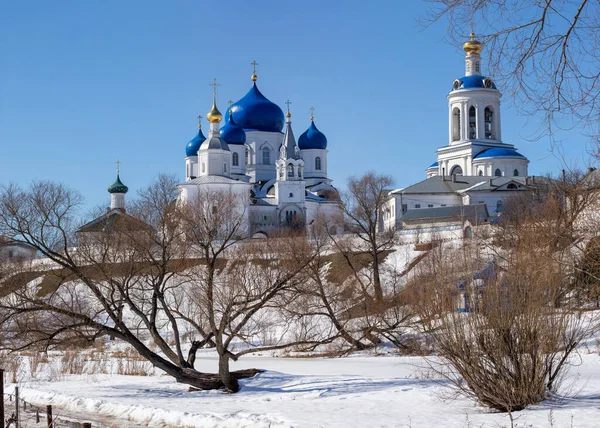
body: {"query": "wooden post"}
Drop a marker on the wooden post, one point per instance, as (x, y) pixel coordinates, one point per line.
(49, 416)
(1, 398)
(16, 407)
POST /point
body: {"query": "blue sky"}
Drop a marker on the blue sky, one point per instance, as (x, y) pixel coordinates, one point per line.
(84, 83)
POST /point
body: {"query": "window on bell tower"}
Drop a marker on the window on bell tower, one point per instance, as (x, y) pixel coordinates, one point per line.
(472, 123)
(455, 124)
(318, 163)
(235, 158)
(489, 123)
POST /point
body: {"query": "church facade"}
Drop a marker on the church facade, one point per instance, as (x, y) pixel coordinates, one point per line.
(256, 157)
(476, 167)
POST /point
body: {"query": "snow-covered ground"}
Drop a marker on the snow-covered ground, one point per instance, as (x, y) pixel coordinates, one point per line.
(356, 391)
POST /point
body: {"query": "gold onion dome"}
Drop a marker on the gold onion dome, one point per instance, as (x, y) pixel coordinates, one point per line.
(472, 46)
(214, 115)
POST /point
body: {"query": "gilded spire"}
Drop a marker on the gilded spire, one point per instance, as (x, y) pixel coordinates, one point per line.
(472, 46)
(214, 115)
(254, 76)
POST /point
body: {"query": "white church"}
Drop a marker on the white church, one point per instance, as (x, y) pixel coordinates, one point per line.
(476, 171)
(284, 182)
(255, 155)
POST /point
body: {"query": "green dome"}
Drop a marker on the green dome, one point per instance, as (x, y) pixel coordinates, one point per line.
(118, 187)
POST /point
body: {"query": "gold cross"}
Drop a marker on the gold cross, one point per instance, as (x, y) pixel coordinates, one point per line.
(214, 84)
(288, 102)
(118, 162)
(312, 113)
(254, 63)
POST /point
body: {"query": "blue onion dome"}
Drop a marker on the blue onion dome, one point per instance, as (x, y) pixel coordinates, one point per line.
(191, 148)
(474, 81)
(312, 138)
(232, 133)
(254, 112)
(118, 186)
(499, 152)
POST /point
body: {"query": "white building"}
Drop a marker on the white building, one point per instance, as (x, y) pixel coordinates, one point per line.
(15, 250)
(255, 155)
(476, 167)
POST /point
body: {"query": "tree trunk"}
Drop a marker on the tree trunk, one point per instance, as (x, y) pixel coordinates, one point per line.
(229, 381)
(376, 278)
(197, 344)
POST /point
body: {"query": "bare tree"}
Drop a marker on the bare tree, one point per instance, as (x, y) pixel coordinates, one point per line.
(125, 278)
(236, 288)
(345, 284)
(544, 52)
(362, 207)
(512, 346)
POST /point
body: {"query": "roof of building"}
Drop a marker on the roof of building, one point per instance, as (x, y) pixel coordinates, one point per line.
(474, 81)
(214, 142)
(473, 213)
(498, 152)
(232, 133)
(434, 165)
(289, 148)
(115, 220)
(312, 138)
(205, 179)
(5, 241)
(191, 148)
(254, 112)
(439, 184)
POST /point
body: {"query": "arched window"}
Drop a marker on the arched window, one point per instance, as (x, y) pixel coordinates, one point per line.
(516, 173)
(472, 123)
(455, 124)
(266, 156)
(498, 173)
(290, 170)
(457, 170)
(512, 186)
(203, 167)
(299, 171)
(318, 163)
(247, 156)
(489, 125)
(480, 173)
(225, 167)
(235, 158)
